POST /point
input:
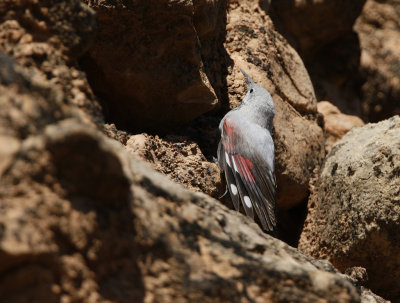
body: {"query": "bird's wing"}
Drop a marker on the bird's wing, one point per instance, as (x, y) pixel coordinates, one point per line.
(249, 173)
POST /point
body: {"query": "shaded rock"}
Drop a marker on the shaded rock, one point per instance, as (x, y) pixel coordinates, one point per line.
(113, 132)
(81, 220)
(48, 37)
(354, 211)
(146, 63)
(367, 296)
(313, 24)
(254, 45)
(336, 124)
(358, 274)
(322, 32)
(180, 159)
(379, 30)
(28, 102)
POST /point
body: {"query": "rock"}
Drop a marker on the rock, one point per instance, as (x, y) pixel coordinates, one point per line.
(357, 274)
(253, 44)
(314, 24)
(378, 28)
(111, 131)
(48, 37)
(336, 124)
(180, 159)
(84, 221)
(322, 32)
(146, 63)
(28, 102)
(353, 217)
(367, 296)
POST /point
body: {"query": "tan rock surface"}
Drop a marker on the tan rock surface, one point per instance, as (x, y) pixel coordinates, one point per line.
(147, 65)
(179, 159)
(336, 123)
(353, 217)
(378, 28)
(314, 24)
(48, 37)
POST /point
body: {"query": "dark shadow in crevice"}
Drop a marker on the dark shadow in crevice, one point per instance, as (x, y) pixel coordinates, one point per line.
(291, 222)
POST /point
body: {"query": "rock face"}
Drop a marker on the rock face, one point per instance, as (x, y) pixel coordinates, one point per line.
(84, 221)
(313, 24)
(253, 44)
(354, 211)
(146, 63)
(336, 124)
(179, 159)
(48, 37)
(379, 30)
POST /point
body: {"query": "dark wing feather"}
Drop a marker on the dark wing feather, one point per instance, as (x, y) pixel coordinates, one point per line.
(229, 175)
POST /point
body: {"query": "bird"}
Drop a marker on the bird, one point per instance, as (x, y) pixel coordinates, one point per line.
(246, 155)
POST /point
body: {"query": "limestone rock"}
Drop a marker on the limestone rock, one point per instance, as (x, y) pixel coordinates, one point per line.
(354, 211)
(180, 159)
(314, 24)
(146, 63)
(48, 36)
(378, 28)
(336, 123)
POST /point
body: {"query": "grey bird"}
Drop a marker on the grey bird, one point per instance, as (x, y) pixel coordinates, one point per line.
(246, 155)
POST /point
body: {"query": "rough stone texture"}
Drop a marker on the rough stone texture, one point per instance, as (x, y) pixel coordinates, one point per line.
(353, 64)
(322, 33)
(379, 30)
(336, 124)
(367, 296)
(83, 221)
(48, 36)
(253, 44)
(354, 211)
(146, 63)
(179, 159)
(314, 24)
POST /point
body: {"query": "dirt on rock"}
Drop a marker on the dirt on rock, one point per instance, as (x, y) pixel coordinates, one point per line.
(48, 38)
(179, 159)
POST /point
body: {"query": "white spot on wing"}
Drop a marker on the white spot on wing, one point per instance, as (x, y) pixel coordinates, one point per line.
(234, 189)
(227, 160)
(234, 165)
(247, 201)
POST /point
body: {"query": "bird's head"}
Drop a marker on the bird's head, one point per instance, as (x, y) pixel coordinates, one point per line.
(257, 96)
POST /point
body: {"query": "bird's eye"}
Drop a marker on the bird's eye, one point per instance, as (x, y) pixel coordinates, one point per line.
(251, 90)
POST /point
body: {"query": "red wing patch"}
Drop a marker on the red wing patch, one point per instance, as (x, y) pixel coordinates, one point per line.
(245, 166)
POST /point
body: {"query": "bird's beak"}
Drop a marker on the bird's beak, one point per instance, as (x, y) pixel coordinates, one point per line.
(249, 81)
